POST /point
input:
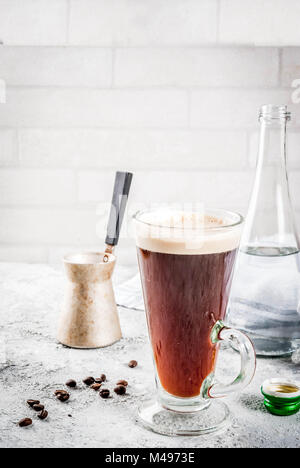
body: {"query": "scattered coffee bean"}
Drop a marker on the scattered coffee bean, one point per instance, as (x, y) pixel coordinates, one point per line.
(120, 390)
(38, 408)
(71, 383)
(33, 402)
(89, 381)
(63, 397)
(25, 422)
(96, 386)
(43, 414)
(104, 393)
(99, 381)
(103, 377)
(70, 416)
(60, 392)
(132, 363)
(122, 382)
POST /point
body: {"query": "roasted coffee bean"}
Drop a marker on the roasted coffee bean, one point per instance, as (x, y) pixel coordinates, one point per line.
(89, 381)
(43, 414)
(103, 377)
(60, 392)
(71, 383)
(32, 402)
(120, 390)
(122, 382)
(38, 408)
(96, 386)
(104, 393)
(132, 363)
(25, 422)
(100, 381)
(63, 397)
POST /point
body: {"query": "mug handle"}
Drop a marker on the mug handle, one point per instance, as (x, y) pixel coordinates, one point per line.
(240, 341)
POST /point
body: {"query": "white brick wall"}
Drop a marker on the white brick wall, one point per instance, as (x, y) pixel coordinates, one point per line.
(8, 147)
(142, 23)
(133, 149)
(49, 226)
(37, 187)
(259, 22)
(196, 67)
(235, 108)
(169, 89)
(56, 107)
(227, 189)
(56, 66)
(33, 22)
(290, 65)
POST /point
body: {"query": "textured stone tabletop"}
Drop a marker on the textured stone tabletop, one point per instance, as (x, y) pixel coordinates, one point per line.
(33, 365)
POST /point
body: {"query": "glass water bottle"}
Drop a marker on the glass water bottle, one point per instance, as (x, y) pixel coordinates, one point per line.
(265, 299)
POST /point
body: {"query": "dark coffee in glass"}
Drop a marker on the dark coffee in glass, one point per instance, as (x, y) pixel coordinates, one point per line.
(185, 295)
(186, 263)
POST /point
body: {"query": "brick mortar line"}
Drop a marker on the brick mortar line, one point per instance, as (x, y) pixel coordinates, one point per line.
(148, 88)
(180, 46)
(194, 128)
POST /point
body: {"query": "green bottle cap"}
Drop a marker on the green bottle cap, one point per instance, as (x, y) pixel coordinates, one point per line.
(281, 396)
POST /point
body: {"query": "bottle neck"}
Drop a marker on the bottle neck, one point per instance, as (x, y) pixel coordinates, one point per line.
(270, 222)
(272, 145)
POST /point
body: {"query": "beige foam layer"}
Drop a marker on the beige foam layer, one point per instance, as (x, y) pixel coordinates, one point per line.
(189, 235)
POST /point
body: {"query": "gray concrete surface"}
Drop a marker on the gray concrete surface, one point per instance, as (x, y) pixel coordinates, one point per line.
(33, 365)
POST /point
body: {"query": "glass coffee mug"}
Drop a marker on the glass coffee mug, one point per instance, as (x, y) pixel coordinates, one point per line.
(186, 263)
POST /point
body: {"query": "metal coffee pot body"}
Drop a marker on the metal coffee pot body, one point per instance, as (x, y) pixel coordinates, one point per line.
(89, 317)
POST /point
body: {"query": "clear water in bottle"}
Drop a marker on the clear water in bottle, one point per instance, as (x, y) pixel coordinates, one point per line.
(266, 298)
(266, 285)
